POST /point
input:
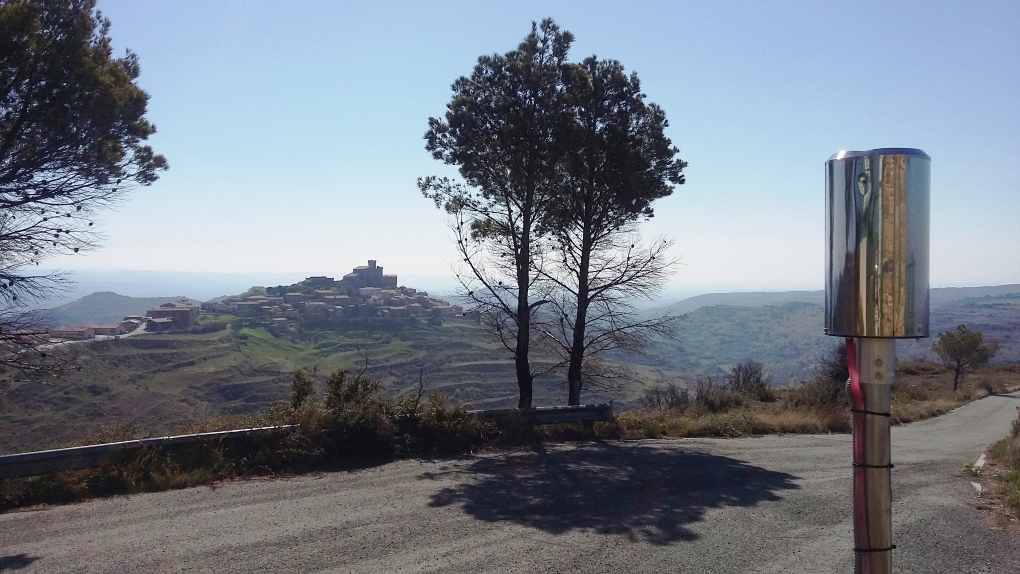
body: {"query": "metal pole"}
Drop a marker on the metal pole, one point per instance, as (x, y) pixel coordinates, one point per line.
(876, 367)
(876, 291)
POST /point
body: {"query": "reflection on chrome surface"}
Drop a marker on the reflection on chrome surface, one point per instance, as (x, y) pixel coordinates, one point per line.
(877, 232)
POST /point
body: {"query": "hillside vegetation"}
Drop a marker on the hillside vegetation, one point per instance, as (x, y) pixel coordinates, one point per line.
(921, 390)
(789, 337)
(103, 307)
(938, 296)
(161, 382)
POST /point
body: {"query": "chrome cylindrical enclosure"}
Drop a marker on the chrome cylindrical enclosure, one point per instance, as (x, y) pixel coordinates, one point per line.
(877, 234)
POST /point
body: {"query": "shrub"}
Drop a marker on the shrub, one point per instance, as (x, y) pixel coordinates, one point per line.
(710, 398)
(302, 387)
(917, 368)
(722, 401)
(906, 393)
(704, 389)
(990, 385)
(651, 428)
(750, 379)
(440, 428)
(666, 397)
(1007, 451)
(348, 398)
(833, 366)
(821, 391)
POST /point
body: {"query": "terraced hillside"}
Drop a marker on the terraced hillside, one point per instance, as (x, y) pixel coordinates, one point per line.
(166, 382)
(459, 359)
(159, 382)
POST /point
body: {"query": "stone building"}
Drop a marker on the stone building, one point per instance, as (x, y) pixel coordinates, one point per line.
(181, 314)
(369, 276)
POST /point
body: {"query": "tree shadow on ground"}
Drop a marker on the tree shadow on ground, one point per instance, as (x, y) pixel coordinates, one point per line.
(16, 562)
(645, 493)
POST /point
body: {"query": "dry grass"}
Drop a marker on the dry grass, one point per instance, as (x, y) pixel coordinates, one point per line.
(352, 422)
(1006, 454)
(925, 390)
(746, 420)
(921, 391)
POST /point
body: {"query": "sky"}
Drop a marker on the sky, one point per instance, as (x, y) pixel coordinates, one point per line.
(294, 129)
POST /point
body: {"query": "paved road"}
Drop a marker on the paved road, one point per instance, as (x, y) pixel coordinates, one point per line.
(773, 504)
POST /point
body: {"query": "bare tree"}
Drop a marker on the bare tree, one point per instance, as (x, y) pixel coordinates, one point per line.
(752, 379)
(618, 273)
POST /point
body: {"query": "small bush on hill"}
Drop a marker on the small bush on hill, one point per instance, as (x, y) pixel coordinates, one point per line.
(353, 398)
(704, 389)
(302, 387)
(832, 367)
(750, 379)
(917, 368)
(439, 428)
(820, 391)
(708, 397)
(666, 397)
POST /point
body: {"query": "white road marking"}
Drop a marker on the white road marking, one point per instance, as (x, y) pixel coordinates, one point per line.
(980, 462)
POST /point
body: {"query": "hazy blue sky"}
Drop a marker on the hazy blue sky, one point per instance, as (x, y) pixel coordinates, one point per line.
(294, 129)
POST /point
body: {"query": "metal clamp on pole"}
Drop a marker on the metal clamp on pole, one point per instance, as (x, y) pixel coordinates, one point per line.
(876, 291)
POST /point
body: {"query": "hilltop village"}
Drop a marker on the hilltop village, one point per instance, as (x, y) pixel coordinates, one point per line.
(167, 317)
(365, 295)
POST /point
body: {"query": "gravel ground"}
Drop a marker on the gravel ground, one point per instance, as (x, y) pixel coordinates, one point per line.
(770, 504)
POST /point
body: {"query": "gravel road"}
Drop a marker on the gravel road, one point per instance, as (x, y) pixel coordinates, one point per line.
(771, 504)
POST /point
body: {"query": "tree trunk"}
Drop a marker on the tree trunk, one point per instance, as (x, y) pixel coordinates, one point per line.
(577, 345)
(576, 357)
(524, 375)
(574, 373)
(524, 378)
(956, 378)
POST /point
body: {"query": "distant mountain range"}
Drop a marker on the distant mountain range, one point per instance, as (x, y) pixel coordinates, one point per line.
(785, 330)
(938, 296)
(103, 307)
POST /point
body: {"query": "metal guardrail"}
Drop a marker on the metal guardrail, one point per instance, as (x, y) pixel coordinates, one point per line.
(46, 461)
(553, 415)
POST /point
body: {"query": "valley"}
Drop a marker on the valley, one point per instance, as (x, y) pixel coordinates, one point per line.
(168, 382)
